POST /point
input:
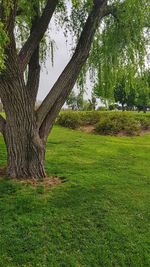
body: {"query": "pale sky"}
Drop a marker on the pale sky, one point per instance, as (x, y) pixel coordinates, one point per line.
(50, 74)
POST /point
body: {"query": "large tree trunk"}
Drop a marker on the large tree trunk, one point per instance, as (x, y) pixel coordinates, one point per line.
(25, 149)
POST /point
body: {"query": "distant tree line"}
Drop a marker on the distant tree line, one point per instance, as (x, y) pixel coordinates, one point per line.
(133, 97)
(77, 102)
(136, 97)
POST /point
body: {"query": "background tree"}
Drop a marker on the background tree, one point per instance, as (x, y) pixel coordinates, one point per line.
(107, 33)
(130, 94)
(143, 91)
(92, 102)
(72, 101)
(120, 93)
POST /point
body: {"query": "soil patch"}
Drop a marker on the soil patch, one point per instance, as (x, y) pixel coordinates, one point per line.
(87, 129)
(90, 129)
(47, 181)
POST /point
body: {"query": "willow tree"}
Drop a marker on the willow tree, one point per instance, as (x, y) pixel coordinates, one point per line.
(23, 26)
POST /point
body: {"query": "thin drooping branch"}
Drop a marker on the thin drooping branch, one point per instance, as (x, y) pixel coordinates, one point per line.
(8, 20)
(34, 65)
(37, 35)
(67, 79)
(2, 124)
(1, 11)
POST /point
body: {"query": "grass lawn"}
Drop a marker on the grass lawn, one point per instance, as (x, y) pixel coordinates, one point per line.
(98, 217)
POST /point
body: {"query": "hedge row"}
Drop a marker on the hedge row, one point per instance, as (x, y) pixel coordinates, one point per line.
(108, 123)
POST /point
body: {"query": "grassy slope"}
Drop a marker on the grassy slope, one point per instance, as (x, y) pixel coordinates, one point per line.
(98, 217)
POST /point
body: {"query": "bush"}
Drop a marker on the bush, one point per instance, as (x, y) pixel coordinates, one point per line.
(118, 123)
(89, 117)
(133, 127)
(107, 126)
(144, 121)
(69, 119)
(106, 122)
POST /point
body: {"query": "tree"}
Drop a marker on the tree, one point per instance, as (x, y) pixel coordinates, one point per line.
(125, 94)
(92, 102)
(120, 93)
(23, 26)
(72, 100)
(143, 91)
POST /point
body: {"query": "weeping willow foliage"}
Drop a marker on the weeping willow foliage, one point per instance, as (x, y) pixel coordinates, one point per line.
(119, 46)
(3, 43)
(3, 34)
(28, 10)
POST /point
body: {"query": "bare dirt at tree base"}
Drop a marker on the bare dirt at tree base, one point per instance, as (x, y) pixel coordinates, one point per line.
(47, 181)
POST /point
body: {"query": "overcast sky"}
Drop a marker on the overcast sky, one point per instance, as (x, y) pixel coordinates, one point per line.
(50, 74)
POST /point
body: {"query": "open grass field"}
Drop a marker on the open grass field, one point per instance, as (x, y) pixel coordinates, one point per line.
(99, 216)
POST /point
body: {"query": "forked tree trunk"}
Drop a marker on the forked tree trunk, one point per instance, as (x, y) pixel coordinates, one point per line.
(25, 149)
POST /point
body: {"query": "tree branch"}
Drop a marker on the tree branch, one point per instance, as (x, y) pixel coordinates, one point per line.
(2, 124)
(57, 96)
(34, 65)
(8, 21)
(37, 35)
(1, 11)
(34, 75)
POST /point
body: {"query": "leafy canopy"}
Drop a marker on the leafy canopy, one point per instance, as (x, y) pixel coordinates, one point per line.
(119, 47)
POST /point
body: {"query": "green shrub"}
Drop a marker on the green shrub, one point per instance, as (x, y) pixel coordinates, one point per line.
(113, 124)
(107, 126)
(106, 122)
(133, 127)
(144, 121)
(89, 117)
(69, 119)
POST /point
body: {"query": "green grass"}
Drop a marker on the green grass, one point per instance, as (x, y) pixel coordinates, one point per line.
(98, 217)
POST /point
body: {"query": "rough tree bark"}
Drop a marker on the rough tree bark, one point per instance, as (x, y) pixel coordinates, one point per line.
(2, 124)
(25, 131)
(25, 151)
